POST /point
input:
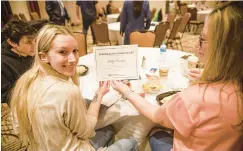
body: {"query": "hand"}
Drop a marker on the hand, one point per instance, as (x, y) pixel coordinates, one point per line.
(119, 86)
(195, 73)
(104, 87)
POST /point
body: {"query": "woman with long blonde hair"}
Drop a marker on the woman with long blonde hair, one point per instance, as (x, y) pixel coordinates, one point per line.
(46, 100)
(209, 114)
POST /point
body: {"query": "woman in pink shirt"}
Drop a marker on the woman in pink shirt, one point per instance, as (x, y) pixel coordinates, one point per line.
(209, 114)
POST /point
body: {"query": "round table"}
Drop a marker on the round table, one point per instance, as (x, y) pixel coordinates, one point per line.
(125, 119)
(111, 18)
(201, 14)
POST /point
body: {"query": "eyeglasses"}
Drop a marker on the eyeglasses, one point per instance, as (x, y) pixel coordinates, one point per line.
(202, 41)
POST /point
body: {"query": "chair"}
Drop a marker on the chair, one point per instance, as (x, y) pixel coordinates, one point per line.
(160, 33)
(193, 20)
(101, 33)
(82, 44)
(9, 138)
(114, 10)
(15, 16)
(153, 12)
(183, 9)
(182, 27)
(170, 18)
(34, 16)
(142, 38)
(174, 31)
(22, 16)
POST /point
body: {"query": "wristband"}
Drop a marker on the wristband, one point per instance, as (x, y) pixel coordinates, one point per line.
(126, 94)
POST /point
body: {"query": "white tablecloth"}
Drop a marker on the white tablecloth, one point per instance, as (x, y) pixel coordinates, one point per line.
(112, 18)
(114, 31)
(201, 14)
(122, 115)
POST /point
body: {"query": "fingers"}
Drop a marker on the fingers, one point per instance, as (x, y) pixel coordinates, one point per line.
(198, 71)
(193, 75)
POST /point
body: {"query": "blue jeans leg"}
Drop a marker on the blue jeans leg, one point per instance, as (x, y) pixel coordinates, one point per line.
(161, 141)
(124, 145)
(103, 137)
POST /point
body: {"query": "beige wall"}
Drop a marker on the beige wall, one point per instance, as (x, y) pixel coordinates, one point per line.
(20, 7)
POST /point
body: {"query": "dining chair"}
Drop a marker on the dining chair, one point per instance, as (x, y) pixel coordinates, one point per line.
(170, 18)
(160, 33)
(182, 27)
(193, 20)
(183, 9)
(34, 16)
(22, 16)
(152, 12)
(82, 43)
(101, 33)
(15, 16)
(142, 38)
(174, 31)
(10, 140)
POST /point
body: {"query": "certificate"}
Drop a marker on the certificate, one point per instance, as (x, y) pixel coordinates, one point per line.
(116, 62)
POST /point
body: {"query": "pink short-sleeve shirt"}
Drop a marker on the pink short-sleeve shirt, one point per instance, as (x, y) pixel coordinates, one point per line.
(205, 117)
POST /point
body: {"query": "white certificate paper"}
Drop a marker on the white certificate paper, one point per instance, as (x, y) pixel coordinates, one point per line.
(116, 62)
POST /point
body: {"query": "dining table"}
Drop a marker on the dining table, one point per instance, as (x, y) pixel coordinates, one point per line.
(202, 14)
(112, 18)
(125, 119)
(114, 31)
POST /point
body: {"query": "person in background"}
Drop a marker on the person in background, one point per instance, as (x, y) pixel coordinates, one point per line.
(17, 54)
(134, 13)
(89, 15)
(51, 112)
(57, 12)
(101, 14)
(108, 8)
(209, 112)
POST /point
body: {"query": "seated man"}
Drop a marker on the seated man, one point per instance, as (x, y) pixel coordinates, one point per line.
(17, 54)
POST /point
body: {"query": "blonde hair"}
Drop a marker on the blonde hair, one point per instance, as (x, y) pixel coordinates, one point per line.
(19, 94)
(225, 50)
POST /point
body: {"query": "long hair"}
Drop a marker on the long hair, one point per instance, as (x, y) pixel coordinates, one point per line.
(225, 48)
(20, 93)
(137, 8)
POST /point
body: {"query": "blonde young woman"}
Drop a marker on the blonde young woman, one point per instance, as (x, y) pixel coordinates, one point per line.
(209, 114)
(46, 100)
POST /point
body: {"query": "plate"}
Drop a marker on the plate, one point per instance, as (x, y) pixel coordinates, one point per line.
(82, 70)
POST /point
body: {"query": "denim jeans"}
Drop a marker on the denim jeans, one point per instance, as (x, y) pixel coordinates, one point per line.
(161, 141)
(124, 145)
(103, 137)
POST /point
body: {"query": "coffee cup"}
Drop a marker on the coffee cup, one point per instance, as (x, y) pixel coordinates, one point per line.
(192, 62)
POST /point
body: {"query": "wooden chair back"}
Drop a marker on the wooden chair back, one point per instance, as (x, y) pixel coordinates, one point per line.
(143, 39)
(160, 33)
(101, 32)
(82, 44)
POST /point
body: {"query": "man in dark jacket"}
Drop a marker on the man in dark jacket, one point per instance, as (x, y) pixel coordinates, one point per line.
(89, 15)
(17, 54)
(57, 12)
